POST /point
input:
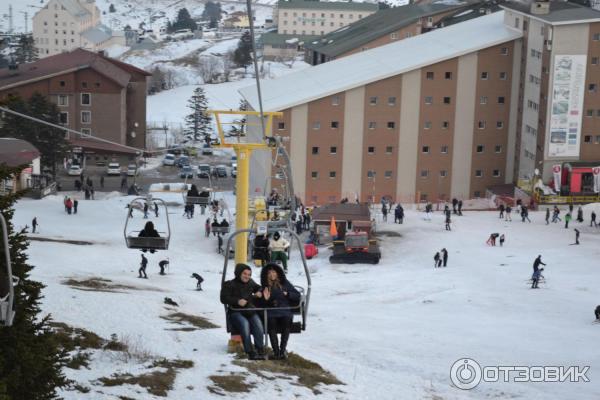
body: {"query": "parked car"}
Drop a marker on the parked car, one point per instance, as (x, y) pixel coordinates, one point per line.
(182, 161)
(221, 171)
(74, 170)
(203, 171)
(169, 159)
(113, 169)
(234, 170)
(131, 170)
(207, 150)
(186, 172)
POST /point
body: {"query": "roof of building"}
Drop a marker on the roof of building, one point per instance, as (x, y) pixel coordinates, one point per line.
(561, 12)
(328, 5)
(67, 62)
(274, 38)
(474, 10)
(376, 25)
(98, 34)
(16, 152)
(382, 62)
(342, 212)
(74, 8)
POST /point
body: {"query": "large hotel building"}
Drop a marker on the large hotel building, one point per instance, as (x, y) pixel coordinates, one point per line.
(448, 113)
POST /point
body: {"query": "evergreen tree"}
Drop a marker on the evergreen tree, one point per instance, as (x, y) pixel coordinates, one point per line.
(213, 23)
(198, 122)
(212, 11)
(184, 21)
(112, 8)
(30, 359)
(26, 52)
(49, 141)
(242, 55)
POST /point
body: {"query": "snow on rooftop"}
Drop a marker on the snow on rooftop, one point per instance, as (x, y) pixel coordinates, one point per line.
(382, 62)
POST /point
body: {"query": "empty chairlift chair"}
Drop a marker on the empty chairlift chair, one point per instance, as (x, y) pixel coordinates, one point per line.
(150, 241)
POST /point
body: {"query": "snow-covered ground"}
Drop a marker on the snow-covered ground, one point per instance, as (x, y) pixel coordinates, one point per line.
(389, 331)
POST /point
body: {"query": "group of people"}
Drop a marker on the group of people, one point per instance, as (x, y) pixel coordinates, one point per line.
(70, 205)
(492, 239)
(440, 259)
(144, 263)
(243, 296)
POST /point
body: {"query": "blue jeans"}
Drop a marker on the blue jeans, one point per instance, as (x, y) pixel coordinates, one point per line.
(246, 326)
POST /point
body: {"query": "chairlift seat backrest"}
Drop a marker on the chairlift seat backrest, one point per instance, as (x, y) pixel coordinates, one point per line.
(150, 243)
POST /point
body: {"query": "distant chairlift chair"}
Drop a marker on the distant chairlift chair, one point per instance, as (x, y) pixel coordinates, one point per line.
(133, 241)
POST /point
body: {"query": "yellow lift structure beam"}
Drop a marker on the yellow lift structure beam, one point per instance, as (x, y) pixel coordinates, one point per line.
(243, 151)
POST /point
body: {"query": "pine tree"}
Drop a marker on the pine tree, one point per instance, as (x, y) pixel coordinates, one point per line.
(112, 8)
(30, 359)
(49, 141)
(184, 21)
(242, 55)
(26, 52)
(198, 122)
(212, 12)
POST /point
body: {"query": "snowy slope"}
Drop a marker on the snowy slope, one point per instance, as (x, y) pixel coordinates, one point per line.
(389, 331)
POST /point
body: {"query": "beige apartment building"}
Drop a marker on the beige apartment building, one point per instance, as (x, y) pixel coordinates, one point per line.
(64, 25)
(298, 17)
(446, 114)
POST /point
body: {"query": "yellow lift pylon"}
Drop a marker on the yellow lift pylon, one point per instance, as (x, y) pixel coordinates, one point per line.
(243, 151)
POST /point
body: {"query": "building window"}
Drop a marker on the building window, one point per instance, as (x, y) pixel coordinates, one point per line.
(372, 125)
(483, 100)
(315, 150)
(443, 173)
(371, 150)
(496, 173)
(499, 124)
(62, 83)
(597, 139)
(480, 148)
(428, 100)
(478, 173)
(425, 149)
(446, 100)
(316, 125)
(587, 139)
(335, 101)
(596, 36)
(86, 99)
(84, 84)
(424, 173)
(477, 194)
(445, 124)
(429, 75)
(484, 75)
(394, 35)
(391, 101)
(503, 76)
(391, 124)
(335, 124)
(427, 125)
(597, 113)
(448, 75)
(314, 174)
(444, 149)
(594, 60)
(86, 132)
(517, 23)
(63, 100)
(592, 87)
(387, 174)
(504, 51)
(63, 118)
(332, 174)
(86, 117)
(373, 100)
(333, 150)
(498, 149)
(481, 125)
(371, 174)
(281, 126)
(536, 54)
(388, 150)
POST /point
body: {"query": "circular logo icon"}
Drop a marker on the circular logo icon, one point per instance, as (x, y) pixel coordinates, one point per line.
(465, 373)
(596, 171)
(556, 169)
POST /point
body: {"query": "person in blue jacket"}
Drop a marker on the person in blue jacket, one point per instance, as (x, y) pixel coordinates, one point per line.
(278, 295)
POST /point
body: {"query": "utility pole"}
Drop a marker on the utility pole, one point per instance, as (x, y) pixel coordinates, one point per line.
(10, 19)
(26, 15)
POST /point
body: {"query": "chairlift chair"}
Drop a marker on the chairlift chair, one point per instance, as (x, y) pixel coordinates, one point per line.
(7, 282)
(202, 201)
(300, 310)
(147, 243)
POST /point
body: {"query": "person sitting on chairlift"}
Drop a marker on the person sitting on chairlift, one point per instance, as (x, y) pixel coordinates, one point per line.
(224, 223)
(261, 249)
(278, 247)
(193, 192)
(149, 231)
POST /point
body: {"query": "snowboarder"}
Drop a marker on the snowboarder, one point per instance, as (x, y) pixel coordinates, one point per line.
(576, 236)
(146, 210)
(445, 256)
(507, 213)
(501, 208)
(593, 219)
(143, 266)
(75, 204)
(460, 204)
(579, 214)
(567, 220)
(170, 302)
(502, 240)
(555, 213)
(547, 215)
(162, 264)
(199, 280)
(220, 244)
(155, 210)
(34, 224)
(492, 239)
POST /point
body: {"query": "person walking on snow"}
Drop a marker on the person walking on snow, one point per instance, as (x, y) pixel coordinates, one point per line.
(34, 224)
(143, 266)
(460, 204)
(384, 211)
(448, 221)
(207, 227)
(445, 256)
(576, 236)
(537, 271)
(508, 211)
(579, 214)
(156, 210)
(454, 205)
(146, 210)
(501, 208)
(547, 215)
(436, 260)
(75, 204)
(502, 240)
(567, 220)
(220, 244)
(492, 239)
(162, 266)
(593, 219)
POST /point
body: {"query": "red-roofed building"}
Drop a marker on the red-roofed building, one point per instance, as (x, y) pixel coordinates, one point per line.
(95, 94)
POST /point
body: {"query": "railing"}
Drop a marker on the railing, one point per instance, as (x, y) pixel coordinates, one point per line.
(573, 199)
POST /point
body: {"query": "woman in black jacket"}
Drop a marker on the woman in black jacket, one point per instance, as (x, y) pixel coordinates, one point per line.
(278, 294)
(149, 231)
